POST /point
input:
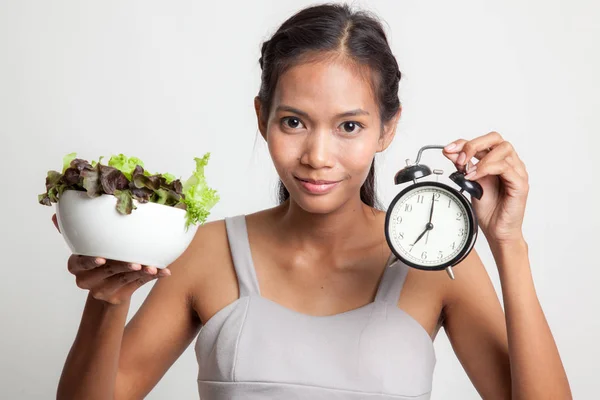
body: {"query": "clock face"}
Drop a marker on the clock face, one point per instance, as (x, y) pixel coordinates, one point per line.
(424, 244)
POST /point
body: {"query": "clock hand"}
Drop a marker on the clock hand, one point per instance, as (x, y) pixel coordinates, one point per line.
(430, 216)
(421, 235)
(429, 225)
(432, 203)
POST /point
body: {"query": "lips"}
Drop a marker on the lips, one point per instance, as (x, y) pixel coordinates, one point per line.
(317, 186)
(317, 182)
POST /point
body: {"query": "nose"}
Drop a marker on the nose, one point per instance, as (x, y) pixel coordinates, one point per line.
(317, 149)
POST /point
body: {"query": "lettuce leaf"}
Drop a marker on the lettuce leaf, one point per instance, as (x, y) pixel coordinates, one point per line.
(169, 177)
(125, 164)
(125, 178)
(198, 197)
(124, 201)
(67, 161)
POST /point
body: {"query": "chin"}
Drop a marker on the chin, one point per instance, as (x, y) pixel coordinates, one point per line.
(317, 204)
(315, 207)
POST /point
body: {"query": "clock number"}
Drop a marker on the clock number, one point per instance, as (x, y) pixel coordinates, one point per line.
(398, 219)
(420, 198)
(400, 235)
(408, 207)
(424, 255)
(449, 202)
(411, 247)
(461, 232)
(440, 254)
(453, 245)
(459, 215)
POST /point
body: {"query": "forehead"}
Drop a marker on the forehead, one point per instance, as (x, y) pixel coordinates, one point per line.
(326, 87)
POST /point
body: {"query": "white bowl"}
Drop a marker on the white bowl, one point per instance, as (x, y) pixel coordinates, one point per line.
(153, 234)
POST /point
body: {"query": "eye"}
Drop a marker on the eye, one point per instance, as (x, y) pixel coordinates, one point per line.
(351, 126)
(291, 122)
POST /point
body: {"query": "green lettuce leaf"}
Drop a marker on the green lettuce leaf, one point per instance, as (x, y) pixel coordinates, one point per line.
(125, 164)
(169, 177)
(198, 197)
(67, 161)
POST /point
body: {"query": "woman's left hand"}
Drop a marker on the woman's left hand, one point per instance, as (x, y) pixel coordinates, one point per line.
(504, 180)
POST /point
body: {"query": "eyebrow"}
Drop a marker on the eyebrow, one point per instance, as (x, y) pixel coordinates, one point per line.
(351, 113)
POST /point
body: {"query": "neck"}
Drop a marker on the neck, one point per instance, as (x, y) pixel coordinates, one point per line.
(327, 233)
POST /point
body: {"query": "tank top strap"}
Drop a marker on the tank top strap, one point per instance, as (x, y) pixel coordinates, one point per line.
(239, 244)
(392, 281)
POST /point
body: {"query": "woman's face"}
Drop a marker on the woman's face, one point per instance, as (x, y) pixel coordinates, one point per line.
(324, 125)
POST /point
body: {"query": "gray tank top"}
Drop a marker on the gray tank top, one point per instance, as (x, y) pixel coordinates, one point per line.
(255, 348)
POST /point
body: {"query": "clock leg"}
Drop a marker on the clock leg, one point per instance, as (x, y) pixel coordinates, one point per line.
(450, 273)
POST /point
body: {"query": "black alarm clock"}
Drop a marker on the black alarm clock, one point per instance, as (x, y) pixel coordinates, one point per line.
(430, 225)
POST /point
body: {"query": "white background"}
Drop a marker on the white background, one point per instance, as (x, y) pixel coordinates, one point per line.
(168, 81)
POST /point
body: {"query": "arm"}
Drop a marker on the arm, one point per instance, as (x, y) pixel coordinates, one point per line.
(536, 368)
(506, 356)
(90, 368)
(110, 360)
(162, 328)
(515, 355)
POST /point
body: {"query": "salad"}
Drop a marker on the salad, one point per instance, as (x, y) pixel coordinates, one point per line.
(126, 179)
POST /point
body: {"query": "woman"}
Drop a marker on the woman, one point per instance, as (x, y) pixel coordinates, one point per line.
(304, 300)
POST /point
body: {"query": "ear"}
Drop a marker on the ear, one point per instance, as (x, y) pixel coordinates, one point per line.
(262, 126)
(389, 131)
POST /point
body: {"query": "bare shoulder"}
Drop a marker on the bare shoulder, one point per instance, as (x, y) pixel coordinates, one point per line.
(169, 312)
(211, 270)
(213, 273)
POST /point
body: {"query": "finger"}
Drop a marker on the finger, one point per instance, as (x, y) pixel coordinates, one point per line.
(454, 158)
(127, 290)
(506, 151)
(457, 146)
(107, 289)
(78, 263)
(150, 270)
(453, 151)
(501, 168)
(518, 165)
(55, 222)
(157, 271)
(482, 143)
(476, 146)
(90, 278)
(123, 285)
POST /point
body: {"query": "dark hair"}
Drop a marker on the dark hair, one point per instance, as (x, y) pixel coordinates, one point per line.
(333, 29)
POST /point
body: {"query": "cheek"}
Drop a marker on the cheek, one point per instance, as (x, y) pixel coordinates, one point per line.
(283, 150)
(357, 156)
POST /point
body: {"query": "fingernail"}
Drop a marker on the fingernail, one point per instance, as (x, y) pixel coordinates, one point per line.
(150, 270)
(450, 146)
(461, 158)
(135, 267)
(471, 173)
(99, 261)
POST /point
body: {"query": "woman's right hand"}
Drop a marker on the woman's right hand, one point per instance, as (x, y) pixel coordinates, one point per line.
(108, 280)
